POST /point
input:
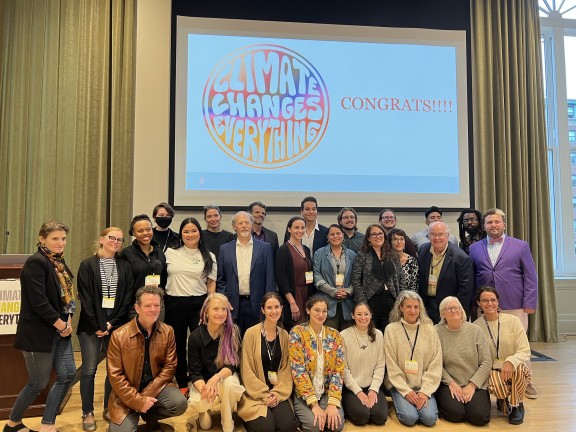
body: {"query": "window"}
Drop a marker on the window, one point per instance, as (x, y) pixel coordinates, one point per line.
(558, 42)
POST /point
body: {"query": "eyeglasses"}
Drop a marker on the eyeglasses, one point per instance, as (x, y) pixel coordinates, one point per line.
(348, 217)
(470, 220)
(452, 308)
(320, 311)
(491, 300)
(115, 239)
(437, 236)
(377, 234)
(388, 218)
(399, 239)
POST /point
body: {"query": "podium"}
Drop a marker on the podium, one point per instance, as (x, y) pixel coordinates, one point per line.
(13, 373)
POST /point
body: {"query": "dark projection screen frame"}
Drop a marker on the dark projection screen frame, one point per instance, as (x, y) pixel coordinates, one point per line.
(222, 164)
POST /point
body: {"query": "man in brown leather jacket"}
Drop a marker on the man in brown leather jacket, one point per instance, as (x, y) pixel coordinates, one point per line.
(141, 366)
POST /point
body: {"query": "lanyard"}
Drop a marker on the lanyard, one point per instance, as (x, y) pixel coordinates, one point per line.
(339, 260)
(269, 350)
(497, 342)
(410, 342)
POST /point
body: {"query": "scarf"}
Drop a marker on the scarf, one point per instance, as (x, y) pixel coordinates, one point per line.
(64, 277)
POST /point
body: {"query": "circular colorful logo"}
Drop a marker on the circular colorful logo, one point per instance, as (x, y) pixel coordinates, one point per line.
(266, 106)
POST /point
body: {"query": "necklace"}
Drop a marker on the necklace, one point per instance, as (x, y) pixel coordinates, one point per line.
(194, 254)
(358, 340)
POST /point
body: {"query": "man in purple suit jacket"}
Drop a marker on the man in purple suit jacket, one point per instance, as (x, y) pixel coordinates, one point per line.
(506, 263)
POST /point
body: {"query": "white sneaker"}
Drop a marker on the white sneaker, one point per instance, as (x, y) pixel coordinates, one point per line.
(205, 420)
(531, 392)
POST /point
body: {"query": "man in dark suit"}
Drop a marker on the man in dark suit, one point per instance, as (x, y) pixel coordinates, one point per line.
(245, 272)
(316, 235)
(259, 231)
(506, 263)
(445, 270)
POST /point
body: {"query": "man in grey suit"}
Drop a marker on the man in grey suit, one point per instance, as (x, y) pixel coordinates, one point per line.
(245, 272)
(445, 270)
(258, 211)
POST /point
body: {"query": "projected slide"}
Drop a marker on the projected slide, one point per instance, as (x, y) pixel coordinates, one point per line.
(355, 116)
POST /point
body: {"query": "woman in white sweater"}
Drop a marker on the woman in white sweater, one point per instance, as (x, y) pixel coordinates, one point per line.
(362, 397)
(462, 395)
(413, 360)
(510, 352)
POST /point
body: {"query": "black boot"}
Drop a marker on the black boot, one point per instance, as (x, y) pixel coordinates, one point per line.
(516, 416)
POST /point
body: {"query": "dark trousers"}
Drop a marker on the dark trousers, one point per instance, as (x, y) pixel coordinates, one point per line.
(432, 305)
(245, 318)
(360, 414)
(477, 411)
(381, 305)
(338, 322)
(281, 418)
(183, 314)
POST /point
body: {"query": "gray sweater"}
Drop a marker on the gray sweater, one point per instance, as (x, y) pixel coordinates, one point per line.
(465, 355)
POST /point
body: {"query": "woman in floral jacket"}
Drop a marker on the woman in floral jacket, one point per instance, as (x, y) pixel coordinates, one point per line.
(317, 363)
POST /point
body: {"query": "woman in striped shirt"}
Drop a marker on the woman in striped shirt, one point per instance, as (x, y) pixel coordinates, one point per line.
(105, 291)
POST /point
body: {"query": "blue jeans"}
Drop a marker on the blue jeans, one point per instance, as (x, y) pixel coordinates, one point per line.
(93, 350)
(408, 414)
(39, 365)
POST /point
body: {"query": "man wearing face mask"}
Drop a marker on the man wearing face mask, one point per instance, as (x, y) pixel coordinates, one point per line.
(164, 236)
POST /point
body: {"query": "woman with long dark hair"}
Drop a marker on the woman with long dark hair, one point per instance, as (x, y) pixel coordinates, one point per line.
(294, 275)
(332, 277)
(45, 326)
(266, 375)
(396, 240)
(362, 395)
(191, 277)
(377, 276)
(317, 363)
(105, 291)
(213, 361)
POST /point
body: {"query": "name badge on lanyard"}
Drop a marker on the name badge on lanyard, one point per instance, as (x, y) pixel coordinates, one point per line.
(107, 302)
(153, 279)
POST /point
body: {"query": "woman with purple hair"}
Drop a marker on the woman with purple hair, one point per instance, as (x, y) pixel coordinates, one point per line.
(213, 359)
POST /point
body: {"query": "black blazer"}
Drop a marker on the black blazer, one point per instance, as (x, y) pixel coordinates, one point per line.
(456, 277)
(143, 265)
(320, 238)
(40, 305)
(272, 238)
(92, 315)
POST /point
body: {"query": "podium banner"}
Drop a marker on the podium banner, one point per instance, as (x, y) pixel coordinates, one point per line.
(9, 305)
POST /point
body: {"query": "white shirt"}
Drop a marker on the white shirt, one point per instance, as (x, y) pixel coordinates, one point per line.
(308, 239)
(494, 249)
(185, 268)
(244, 262)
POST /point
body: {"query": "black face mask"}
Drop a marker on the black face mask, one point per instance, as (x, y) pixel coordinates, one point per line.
(163, 221)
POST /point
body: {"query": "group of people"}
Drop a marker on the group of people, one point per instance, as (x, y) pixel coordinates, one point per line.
(377, 289)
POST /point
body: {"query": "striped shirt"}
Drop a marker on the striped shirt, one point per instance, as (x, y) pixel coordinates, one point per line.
(109, 276)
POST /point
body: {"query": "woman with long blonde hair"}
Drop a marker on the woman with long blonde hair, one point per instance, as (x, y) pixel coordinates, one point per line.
(213, 362)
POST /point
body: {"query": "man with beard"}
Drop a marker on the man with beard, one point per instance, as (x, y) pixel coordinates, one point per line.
(258, 212)
(348, 218)
(469, 228)
(245, 272)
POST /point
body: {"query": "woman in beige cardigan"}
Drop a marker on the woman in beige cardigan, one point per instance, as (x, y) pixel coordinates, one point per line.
(265, 371)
